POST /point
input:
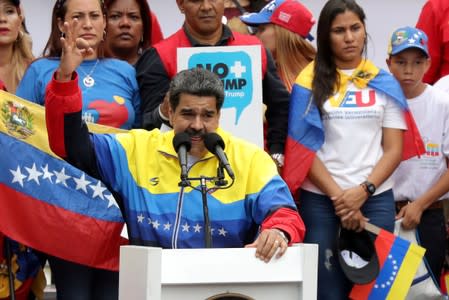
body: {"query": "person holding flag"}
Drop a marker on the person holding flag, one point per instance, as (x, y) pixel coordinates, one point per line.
(346, 128)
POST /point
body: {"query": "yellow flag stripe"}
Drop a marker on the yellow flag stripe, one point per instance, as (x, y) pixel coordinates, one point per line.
(406, 273)
(35, 135)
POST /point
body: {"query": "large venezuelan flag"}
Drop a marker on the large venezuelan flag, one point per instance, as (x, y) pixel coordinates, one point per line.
(399, 261)
(305, 130)
(46, 203)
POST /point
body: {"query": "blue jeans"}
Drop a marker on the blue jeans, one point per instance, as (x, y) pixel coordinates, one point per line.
(78, 282)
(322, 226)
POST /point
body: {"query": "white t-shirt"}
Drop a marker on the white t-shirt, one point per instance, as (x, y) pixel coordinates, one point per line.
(443, 83)
(415, 176)
(353, 136)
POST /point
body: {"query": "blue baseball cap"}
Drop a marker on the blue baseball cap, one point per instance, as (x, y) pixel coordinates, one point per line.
(408, 37)
(289, 14)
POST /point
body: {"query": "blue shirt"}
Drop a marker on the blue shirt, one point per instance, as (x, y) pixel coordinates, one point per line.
(113, 100)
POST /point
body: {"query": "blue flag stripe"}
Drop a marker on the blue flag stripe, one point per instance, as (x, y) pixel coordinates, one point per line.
(46, 178)
(390, 269)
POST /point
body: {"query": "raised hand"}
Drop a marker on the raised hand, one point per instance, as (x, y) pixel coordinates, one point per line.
(74, 51)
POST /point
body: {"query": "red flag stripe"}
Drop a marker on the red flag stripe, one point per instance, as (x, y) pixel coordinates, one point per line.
(60, 232)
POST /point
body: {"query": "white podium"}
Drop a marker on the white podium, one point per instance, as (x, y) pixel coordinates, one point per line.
(154, 273)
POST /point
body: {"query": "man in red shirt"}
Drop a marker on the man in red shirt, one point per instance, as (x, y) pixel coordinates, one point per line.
(434, 21)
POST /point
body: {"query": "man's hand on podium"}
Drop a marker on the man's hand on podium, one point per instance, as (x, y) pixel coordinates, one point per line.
(268, 243)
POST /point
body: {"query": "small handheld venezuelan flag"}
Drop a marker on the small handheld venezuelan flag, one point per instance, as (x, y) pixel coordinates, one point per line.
(399, 260)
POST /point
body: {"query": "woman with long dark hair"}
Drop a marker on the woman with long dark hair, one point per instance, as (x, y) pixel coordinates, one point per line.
(354, 116)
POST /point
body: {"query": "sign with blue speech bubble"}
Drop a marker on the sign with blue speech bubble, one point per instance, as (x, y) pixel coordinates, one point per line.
(240, 69)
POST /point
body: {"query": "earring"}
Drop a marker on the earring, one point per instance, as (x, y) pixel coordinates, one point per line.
(62, 34)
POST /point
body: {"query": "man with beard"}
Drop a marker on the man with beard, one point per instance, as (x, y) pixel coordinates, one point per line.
(203, 27)
(255, 208)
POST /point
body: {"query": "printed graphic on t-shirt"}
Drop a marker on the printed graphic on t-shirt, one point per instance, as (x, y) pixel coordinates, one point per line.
(430, 160)
(114, 114)
(350, 99)
(354, 105)
(432, 149)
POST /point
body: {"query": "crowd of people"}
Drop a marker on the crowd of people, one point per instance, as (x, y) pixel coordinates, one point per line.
(346, 142)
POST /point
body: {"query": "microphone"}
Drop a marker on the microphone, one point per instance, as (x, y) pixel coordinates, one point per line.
(215, 144)
(182, 145)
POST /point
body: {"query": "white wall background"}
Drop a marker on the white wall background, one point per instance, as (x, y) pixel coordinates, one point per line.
(383, 16)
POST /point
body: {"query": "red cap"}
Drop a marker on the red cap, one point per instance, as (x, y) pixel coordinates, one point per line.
(295, 17)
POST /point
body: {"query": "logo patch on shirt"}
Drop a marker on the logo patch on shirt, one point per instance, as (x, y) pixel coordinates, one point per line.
(154, 181)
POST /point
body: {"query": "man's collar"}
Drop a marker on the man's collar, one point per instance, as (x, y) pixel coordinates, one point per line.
(225, 36)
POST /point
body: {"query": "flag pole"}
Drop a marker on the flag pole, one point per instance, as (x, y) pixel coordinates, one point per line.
(372, 228)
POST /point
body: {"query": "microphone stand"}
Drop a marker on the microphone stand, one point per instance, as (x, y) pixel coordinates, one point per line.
(207, 229)
(219, 183)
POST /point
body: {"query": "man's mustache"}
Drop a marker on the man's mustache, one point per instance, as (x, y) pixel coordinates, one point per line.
(195, 133)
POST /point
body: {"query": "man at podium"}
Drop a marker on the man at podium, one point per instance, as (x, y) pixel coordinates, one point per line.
(224, 199)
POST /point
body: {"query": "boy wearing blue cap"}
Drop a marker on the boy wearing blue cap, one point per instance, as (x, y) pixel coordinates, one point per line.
(422, 184)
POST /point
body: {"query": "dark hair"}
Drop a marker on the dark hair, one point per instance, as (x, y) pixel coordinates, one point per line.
(198, 82)
(53, 48)
(325, 70)
(145, 14)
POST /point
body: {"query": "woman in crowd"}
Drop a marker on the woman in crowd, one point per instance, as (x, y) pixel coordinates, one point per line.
(286, 37)
(110, 97)
(15, 56)
(15, 45)
(109, 88)
(354, 114)
(131, 28)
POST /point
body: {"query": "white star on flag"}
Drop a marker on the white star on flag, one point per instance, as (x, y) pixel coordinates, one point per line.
(197, 227)
(140, 218)
(18, 176)
(222, 231)
(156, 224)
(185, 227)
(98, 190)
(111, 200)
(34, 174)
(81, 183)
(167, 226)
(47, 175)
(61, 177)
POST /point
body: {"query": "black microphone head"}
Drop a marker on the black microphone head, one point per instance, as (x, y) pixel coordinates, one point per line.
(211, 140)
(182, 138)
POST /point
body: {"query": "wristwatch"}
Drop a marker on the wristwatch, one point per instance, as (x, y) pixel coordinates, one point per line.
(369, 187)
